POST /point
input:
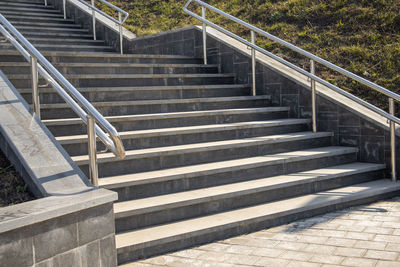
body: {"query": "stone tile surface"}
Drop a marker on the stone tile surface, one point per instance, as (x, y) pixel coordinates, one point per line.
(365, 235)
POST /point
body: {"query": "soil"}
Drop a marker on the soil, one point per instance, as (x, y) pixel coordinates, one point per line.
(13, 189)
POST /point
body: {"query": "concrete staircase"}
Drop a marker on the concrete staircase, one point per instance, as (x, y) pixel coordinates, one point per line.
(205, 160)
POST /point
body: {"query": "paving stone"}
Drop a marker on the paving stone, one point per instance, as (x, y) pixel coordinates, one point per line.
(290, 245)
(268, 252)
(359, 262)
(387, 238)
(341, 242)
(379, 230)
(296, 255)
(351, 228)
(329, 259)
(382, 255)
(393, 247)
(214, 247)
(188, 253)
(312, 239)
(242, 259)
(320, 249)
(387, 264)
(370, 245)
(264, 261)
(360, 236)
(302, 264)
(237, 249)
(349, 252)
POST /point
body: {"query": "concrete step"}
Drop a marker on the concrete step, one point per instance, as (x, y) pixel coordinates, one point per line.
(30, 2)
(32, 14)
(98, 80)
(23, 68)
(46, 24)
(77, 144)
(64, 47)
(167, 208)
(179, 179)
(22, 18)
(26, 5)
(144, 160)
(57, 28)
(62, 127)
(110, 68)
(28, 10)
(54, 36)
(177, 235)
(116, 108)
(97, 57)
(102, 94)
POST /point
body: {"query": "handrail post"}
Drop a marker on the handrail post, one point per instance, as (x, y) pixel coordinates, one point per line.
(313, 98)
(120, 33)
(392, 140)
(45, 2)
(203, 14)
(35, 82)
(94, 21)
(93, 170)
(253, 62)
(65, 8)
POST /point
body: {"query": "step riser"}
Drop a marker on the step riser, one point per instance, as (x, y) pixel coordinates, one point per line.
(99, 59)
(32, 14)
(69, 49)
(225, 177)
(16, 18)
(154, 108)
(112, 70)
(134, 253)
(103, 96)
(103, 82)
(24, 30)
(31, 2)
(26, 70)
(46, 25)
(23, 10)
(141, 143)
(61, 130)
(220, 205)
(183, 159)
(26, 5)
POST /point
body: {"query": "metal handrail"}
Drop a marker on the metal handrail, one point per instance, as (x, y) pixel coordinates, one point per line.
(94, 9)
(313, 58)
(82, 107)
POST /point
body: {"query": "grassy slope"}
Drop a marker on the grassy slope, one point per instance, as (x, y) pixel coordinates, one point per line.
(362, 36)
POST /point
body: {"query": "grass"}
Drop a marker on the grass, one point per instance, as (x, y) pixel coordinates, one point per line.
(13, 189)
(362, 36)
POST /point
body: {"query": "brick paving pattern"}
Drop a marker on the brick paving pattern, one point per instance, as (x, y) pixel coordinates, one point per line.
(361, 236)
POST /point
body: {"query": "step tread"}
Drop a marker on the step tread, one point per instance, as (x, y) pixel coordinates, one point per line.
(207, 224)
(98, 54)
(202, 147)
(162, 101)
(139, 117)
(141, 88)
(22, 76)
(108, 65)
(125, 76)
(240, 189)
(72, 139)
(220, 166)
(23, 9)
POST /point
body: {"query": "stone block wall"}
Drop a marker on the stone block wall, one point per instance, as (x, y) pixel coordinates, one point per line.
(349, 127)
(84, 238)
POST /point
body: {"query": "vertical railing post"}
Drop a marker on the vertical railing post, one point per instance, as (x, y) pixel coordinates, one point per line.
(121, 38)
(203, 14)
(65, 8)
(45, 2)
(94, 21)
(313, 98)
(253, 63)
(392, 140)
(35, 82)
(93, 170)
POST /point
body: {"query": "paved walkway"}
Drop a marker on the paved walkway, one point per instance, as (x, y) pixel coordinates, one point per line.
(360, 236)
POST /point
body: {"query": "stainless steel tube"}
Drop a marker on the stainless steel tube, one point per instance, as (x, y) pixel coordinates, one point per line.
(35, 82)
(121, 38)
(203, 13)
(313, 97)
(253, 63)
(45, 2)
(65, 8)
(91, 130)
(94, 21)
(392, 140)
